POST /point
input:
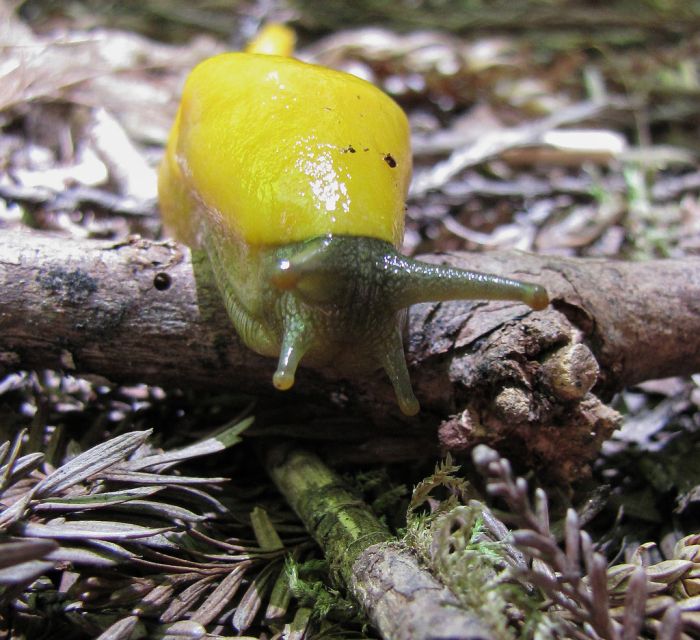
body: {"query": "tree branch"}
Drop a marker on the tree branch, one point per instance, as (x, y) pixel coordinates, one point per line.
(135, 312)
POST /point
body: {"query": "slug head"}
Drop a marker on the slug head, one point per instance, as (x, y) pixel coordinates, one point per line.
(342, 300)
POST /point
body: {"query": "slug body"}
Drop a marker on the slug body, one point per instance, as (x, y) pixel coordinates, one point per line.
(292, 178)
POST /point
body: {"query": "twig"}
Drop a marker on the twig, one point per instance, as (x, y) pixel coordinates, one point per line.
(402, 599)
(495, 143)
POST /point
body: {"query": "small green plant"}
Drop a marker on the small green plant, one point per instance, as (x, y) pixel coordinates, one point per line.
(523, 584)
(582, 595)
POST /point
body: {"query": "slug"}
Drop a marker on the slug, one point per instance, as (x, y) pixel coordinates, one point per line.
(292, 178)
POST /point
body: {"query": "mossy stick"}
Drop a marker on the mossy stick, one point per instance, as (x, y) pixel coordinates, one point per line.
(402, 599)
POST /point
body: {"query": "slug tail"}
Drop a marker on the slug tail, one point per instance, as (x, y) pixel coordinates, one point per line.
(394, 362)
(273, 39)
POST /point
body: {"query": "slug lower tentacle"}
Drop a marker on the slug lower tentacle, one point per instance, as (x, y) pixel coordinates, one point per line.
(293, 178)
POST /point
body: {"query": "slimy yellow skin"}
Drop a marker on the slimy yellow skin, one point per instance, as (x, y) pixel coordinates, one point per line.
(292, 179)
(284, 151)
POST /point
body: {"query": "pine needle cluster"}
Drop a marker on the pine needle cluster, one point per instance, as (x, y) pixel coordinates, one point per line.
(118, 542)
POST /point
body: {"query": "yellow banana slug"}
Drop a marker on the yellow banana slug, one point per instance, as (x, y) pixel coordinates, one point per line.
(292, 178)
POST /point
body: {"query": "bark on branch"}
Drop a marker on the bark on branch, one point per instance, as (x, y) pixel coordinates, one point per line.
(135, 312)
